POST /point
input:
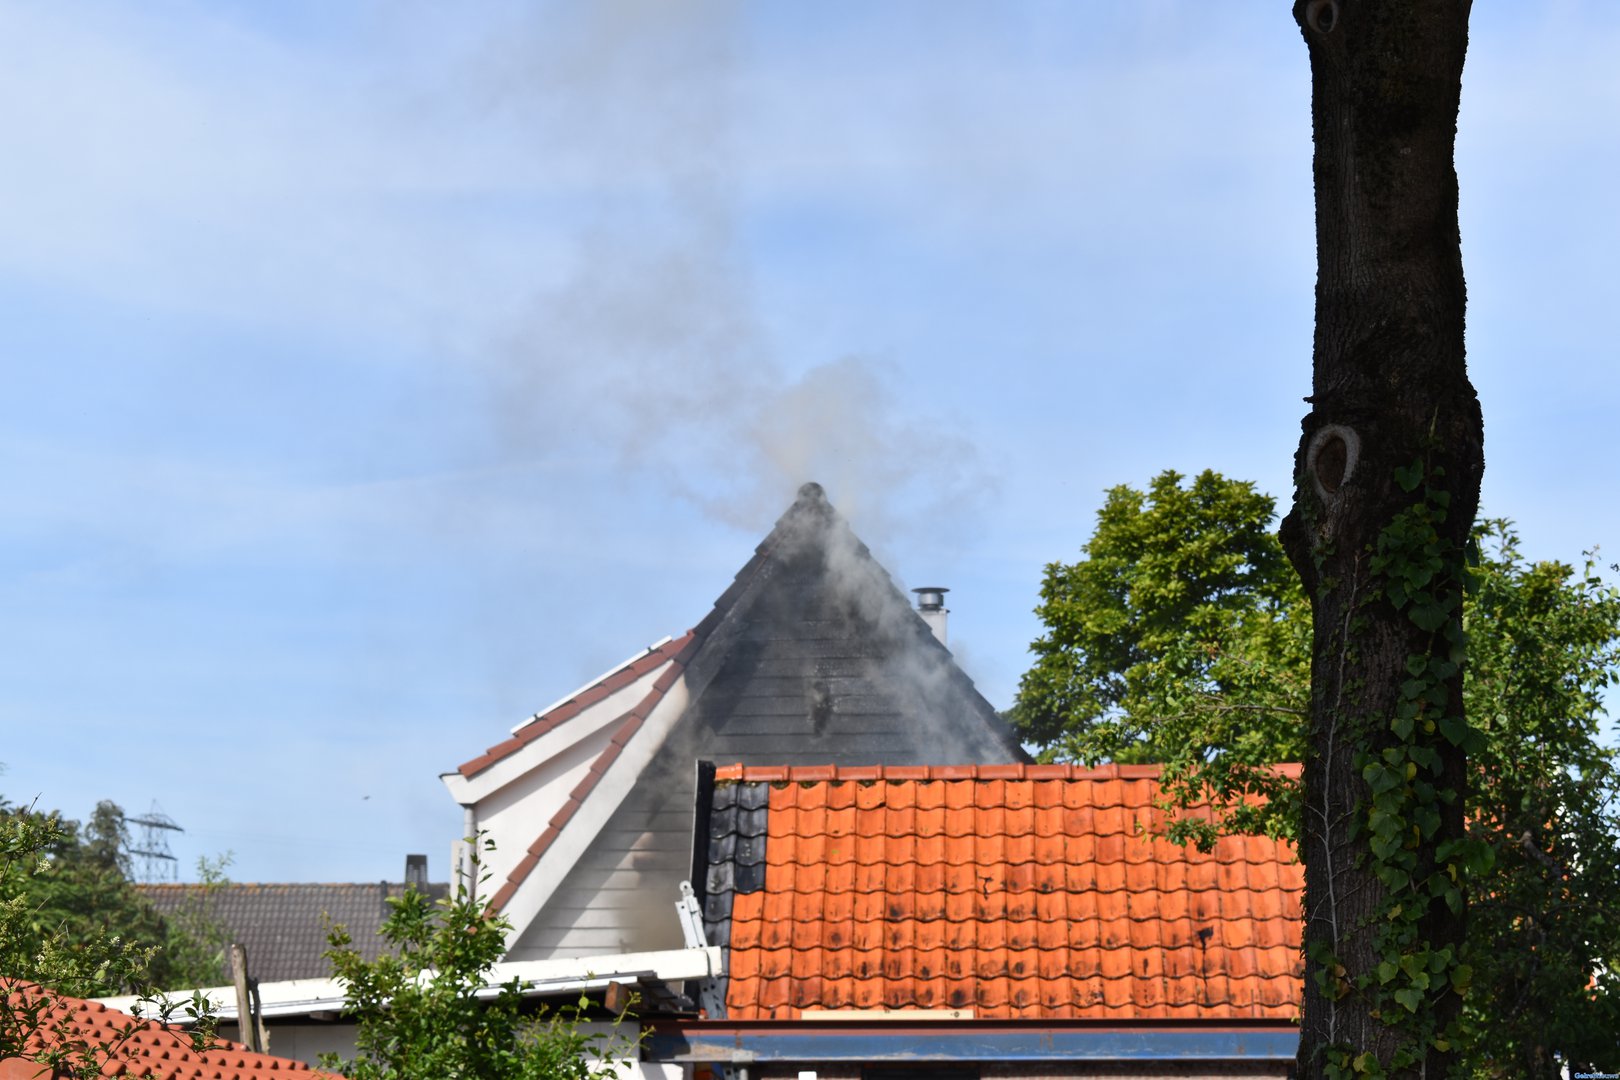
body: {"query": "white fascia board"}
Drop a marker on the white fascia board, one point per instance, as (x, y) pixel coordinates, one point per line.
(665, 965)
(608, 674)
(289, 997)
(540, 978)
(598, 806)
(469, 791)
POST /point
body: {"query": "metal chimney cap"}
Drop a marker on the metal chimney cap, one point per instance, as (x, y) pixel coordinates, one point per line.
(416, 870)
(931, 597)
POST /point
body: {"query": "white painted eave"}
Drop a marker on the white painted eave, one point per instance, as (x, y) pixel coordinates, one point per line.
(540, 978)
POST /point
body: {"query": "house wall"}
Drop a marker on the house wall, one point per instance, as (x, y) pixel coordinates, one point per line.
(302, 1041)
(306, 1040)
(620, 896)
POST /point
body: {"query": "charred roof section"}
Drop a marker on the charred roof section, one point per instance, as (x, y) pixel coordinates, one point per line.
(814, 655)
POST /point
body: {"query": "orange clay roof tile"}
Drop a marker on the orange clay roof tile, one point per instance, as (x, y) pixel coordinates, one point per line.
(1040, 891)
(137, 1047)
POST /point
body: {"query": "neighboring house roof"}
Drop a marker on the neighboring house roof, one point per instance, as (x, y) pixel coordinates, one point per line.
(283, 927)
(811, 655)
(1013, 892)
(138, 1047)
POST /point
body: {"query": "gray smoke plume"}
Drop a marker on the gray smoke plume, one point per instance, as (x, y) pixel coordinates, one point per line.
(650, 346)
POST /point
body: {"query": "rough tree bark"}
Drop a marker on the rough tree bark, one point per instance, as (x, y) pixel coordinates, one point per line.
(1392, 447)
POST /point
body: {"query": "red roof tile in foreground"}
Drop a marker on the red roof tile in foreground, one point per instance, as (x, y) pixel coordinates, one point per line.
(141, 1047)
(1019, 892)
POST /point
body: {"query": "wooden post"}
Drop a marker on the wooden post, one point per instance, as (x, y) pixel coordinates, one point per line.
(247, 1019)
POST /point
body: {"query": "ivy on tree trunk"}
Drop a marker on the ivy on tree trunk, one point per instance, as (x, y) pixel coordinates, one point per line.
(1386, 486)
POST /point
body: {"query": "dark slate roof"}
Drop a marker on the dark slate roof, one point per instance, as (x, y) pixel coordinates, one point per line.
(813, 656)
(283, 927)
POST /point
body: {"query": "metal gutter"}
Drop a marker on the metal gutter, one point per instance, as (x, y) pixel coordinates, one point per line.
(735, 1043)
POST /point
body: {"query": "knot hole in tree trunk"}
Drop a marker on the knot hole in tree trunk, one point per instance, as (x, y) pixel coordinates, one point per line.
(1331, 458)
(1322, 15)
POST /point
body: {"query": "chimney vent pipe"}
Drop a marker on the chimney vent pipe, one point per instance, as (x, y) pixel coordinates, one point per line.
(416, 872)
(931, 606)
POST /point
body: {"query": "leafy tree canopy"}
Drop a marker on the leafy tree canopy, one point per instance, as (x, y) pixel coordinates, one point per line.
(1182, 637)
(70, 899)
(71, 922)
(74, 894)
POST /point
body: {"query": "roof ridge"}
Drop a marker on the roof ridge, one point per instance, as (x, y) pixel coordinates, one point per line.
(177, 886)
(811, 500)
(814, 773)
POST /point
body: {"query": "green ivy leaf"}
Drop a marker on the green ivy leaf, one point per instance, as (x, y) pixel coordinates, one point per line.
(1430, 616)
(1455, 729)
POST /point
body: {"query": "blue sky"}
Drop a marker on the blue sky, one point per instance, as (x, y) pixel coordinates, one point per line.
(377, 373)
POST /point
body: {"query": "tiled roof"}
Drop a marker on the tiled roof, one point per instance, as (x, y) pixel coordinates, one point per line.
(1016, 891)
(150, 1050)
(283, 926)
(675, 654)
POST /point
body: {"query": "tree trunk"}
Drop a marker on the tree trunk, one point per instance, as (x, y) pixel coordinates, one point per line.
(1386, 485)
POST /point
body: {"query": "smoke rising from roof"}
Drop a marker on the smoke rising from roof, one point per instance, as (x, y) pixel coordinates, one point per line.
(652, 346)
(913, 664)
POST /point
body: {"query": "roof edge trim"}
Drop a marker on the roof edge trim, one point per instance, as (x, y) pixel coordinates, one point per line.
(814, 773)
(672, 649)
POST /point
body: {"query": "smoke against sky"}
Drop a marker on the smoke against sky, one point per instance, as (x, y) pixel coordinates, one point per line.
(377, 373)
(653, 344)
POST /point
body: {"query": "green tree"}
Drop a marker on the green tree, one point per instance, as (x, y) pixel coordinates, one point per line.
(1544, 643)
(78, 891)
(1217, 692)
(51, 875)
(1181, 638)
(420, 1015)
(72, 901)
